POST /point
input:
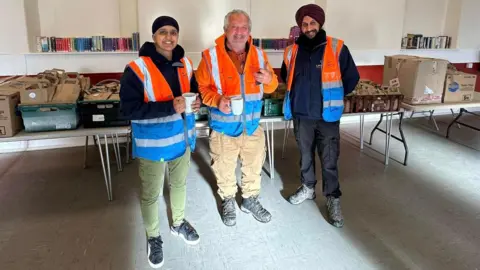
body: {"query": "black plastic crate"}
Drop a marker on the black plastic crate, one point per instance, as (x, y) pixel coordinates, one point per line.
(105, 113)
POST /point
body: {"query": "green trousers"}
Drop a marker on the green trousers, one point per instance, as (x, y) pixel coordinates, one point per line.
(152, 174)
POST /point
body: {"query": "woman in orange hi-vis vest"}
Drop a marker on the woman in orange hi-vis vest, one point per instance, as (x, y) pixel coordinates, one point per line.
(236, 71)
(163, 129)
(319, 72)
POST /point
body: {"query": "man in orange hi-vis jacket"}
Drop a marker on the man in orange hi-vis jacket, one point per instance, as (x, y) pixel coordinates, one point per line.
(319, 71)
(232, 78)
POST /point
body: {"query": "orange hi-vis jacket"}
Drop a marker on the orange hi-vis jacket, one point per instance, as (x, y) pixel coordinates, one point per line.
(164, 138)
(217, 76)
(332, 86)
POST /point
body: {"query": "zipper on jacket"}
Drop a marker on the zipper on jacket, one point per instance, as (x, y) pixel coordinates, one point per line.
(242, 90)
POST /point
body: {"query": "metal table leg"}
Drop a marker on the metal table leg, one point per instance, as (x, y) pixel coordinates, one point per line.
(362, 125)
(453, 116)
(105, 175)
(403, 140)
(388, 136)
(272, 168)
(375, 128)
(285, 136)
(115, 150)
(109, 173)
(119, 158)
(432, 118)
(128, 149)
(268, 149)
(85, 155)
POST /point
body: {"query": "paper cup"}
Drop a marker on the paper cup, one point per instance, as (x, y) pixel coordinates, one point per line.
(237, 105)
(189, 99)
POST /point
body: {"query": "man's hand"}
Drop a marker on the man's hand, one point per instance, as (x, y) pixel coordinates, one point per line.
(179, 104)
(263, 76)
(224, 105)
(196, 105)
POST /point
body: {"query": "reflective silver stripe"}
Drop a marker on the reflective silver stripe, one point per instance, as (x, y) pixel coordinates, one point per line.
(147, 79)
(334, 45)
(234, 118)
(261, 62)
(328, 85)
(253, 97)
(332, 103)
(160, 120)
(163, 142)
(215, 69)
(189, 67)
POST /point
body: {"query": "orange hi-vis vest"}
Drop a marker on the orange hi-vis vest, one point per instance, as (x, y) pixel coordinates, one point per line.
(332, 86)
(164, 138)
(228, 82)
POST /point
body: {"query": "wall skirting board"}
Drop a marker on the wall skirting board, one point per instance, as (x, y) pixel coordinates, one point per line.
(79, 142)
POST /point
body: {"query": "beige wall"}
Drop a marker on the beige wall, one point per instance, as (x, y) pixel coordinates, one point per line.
(469, 29)
(357, 22)
(13, 30)
(425, 17)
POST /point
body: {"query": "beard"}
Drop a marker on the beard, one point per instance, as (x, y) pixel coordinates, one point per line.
(311, 34)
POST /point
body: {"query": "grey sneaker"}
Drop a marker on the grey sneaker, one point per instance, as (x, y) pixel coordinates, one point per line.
(303, 193)
(186, 232)
(252, 205)
(335, 211)
(155, 252)
(229, 215)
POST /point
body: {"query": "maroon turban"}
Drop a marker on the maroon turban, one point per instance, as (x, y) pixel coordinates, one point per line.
(312, 10)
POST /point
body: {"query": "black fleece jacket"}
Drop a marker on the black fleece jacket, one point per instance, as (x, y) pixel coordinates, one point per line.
(132, 102)
(306, 95)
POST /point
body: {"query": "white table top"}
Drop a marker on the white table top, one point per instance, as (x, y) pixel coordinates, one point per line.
(60, 134)
(439, 106)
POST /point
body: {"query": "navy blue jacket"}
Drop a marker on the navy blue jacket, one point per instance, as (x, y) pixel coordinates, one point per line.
(306, 95)
(132, 102)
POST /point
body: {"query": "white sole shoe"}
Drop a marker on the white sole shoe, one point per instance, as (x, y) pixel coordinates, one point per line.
(192, 243)
(155, 266)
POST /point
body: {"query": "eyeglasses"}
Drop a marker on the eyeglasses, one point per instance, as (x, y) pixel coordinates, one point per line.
(165, 33)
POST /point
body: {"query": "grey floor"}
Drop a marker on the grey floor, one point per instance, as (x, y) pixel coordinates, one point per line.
(55, 215)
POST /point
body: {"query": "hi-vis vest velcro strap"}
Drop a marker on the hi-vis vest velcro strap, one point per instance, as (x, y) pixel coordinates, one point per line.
(161, 120)
(140, 67)
(215, 67)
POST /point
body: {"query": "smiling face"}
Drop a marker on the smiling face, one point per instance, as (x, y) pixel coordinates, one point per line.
(237, 30)
(310, 27)
(166, 38)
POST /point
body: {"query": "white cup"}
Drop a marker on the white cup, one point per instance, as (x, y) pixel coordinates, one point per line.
(237, 105)
(189, 100)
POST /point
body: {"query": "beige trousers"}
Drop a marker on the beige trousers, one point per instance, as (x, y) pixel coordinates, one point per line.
(225, 151)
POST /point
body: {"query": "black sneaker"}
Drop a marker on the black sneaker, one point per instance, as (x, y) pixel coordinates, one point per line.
(303, 193)
(335, 211)
(187, 232)
(252, 205)
(229, 215)
(155, 252)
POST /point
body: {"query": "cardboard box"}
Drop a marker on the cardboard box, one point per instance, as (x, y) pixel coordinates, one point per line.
(421, 79)
(459, 87)
(10, 121)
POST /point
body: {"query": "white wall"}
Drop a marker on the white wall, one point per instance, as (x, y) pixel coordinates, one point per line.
(128, 17)
(73, 18)
(200, 21)
(425, 17)
(277, 25)
(13, 30)
(366, 24)
(452, 20)
(469, 29)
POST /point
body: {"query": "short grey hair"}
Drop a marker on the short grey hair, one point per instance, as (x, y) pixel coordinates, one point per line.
(226, 22)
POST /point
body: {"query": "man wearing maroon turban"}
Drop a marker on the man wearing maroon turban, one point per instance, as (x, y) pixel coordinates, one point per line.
(319, 71)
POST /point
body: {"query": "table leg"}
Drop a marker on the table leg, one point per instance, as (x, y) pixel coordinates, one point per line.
(85, 155)
(454, 121)
(404, 141)
(388, 136)
(375, 128)
(362, 125)
(98, 143)
(285, 137)
(128, 149)
(109, 173)
(453, 116)
(432, 118)
(115, 150)
(119, 153)
(273, 153)
(268, 149)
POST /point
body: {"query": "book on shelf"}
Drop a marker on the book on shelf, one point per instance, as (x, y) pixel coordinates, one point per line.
(88, 44)
(419, 42)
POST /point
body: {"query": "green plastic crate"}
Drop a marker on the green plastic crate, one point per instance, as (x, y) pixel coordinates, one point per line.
(49, 117)
(273, 107)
